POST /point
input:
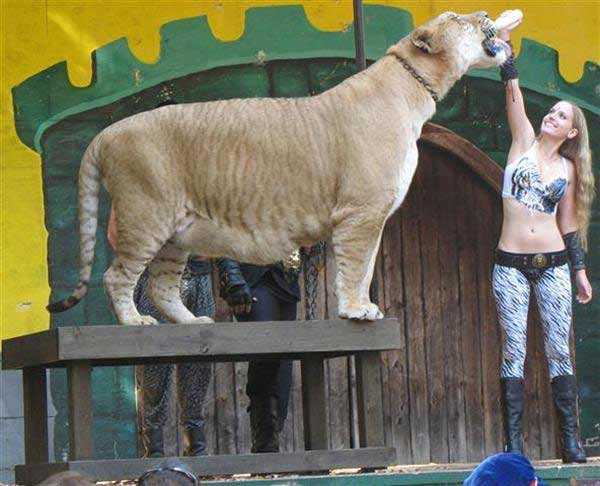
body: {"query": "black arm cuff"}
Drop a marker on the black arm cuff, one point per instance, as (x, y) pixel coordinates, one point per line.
(575, 250)
(230, 275)
(508, 70)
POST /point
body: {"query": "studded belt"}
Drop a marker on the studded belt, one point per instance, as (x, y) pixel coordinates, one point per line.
(539, 261)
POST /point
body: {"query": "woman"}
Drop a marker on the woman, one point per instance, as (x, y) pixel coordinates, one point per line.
(547, 194)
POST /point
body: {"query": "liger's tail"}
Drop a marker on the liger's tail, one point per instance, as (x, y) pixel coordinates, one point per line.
(89, 190)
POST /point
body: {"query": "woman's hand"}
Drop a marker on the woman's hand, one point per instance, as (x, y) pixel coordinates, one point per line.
(504, 35)
(584, 288)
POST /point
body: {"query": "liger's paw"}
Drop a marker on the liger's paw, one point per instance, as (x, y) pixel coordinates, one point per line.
(200, 320)
(367, 312)
(140, 321)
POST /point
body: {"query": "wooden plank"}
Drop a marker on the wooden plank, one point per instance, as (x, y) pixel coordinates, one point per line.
(531, 415)
(30, 350)
(395, 300)
(447, 193)
(549, 447)
(35, 413)
(119, 469)
(210, 411)
(296, 403)
(438, 474)
(81, 423)
(225, 407)
(243, 439)
(469, 309)
(434, 330)
(415, 325)
(316, 430)
(337, 369)
(487, 211)
(223, 341)
(388, 434)
(370, 406)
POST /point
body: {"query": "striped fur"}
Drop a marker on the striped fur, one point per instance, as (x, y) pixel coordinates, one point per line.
(254, 179)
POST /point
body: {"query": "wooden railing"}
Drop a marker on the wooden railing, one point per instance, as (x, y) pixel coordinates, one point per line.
(79, 349)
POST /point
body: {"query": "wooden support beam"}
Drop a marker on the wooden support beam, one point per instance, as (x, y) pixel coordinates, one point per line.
(35, 408)
(81, 421)
(370, 405)
(314, 404)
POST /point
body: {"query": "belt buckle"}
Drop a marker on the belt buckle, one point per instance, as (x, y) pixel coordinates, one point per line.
(539, 260)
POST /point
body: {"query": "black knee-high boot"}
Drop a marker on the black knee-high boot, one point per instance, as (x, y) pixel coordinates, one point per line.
(512, 403)
(564, 392)
(264, 423)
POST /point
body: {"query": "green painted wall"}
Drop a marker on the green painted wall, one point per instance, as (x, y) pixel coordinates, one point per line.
(280, 54)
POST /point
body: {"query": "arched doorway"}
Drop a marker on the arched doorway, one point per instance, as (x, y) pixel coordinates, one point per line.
(441, 389)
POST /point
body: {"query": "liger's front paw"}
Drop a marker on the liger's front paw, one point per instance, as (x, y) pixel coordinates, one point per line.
(140, 321)
(200, 320)
(367, 312)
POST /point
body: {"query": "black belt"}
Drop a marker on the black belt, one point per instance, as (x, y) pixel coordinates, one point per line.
(539, 261)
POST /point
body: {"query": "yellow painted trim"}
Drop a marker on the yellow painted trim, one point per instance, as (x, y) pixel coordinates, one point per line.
(38, 33)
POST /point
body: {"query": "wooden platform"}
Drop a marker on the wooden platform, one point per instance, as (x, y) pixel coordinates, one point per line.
(552, 472)
(79, 349)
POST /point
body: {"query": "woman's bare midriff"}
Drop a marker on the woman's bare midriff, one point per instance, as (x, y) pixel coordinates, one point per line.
(526, 231)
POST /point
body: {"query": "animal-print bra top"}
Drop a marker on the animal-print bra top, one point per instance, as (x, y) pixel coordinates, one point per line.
(522, 182)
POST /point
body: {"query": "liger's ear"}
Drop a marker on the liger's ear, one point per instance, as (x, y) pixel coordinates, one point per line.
(423, 38)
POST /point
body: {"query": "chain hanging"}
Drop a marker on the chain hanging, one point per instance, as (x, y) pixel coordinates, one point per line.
(313, 258)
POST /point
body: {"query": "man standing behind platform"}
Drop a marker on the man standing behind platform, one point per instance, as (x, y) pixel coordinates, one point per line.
(264, 293)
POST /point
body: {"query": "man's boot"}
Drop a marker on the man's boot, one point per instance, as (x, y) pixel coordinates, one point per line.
(512, 403)
(195, 441)
(264, 424)
(152, 438)
(564, 393)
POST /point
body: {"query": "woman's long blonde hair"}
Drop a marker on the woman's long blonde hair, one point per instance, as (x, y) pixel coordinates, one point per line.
(577, 149)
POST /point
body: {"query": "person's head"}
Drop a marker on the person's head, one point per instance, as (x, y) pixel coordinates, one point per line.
(68, 478)
(170, 472)
(504, 470)
(565, 122)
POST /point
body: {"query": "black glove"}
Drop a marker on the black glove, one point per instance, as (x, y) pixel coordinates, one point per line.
(508, 70)
(234, 288)
(575, 250)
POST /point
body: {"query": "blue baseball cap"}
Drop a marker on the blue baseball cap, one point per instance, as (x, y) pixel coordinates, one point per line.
(504, 470)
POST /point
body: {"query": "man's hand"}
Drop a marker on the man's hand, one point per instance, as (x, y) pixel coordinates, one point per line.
(239, 298)
(234, 288)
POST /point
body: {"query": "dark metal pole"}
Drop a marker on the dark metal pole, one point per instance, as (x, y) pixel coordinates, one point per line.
(359, 35)
(359, 45)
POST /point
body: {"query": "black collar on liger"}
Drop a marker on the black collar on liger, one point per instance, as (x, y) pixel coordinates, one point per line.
(416, 75)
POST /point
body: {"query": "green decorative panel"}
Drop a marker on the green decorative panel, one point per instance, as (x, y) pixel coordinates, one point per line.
(279, 54)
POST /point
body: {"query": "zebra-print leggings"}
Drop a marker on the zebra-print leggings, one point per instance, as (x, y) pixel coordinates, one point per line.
(553, 296)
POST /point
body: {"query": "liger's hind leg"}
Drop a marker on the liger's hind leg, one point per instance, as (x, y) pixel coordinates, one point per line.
(120, 281)
(136, 247)
(164, 282)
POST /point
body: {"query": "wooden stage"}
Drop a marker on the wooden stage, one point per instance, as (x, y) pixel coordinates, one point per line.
(552, 472)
